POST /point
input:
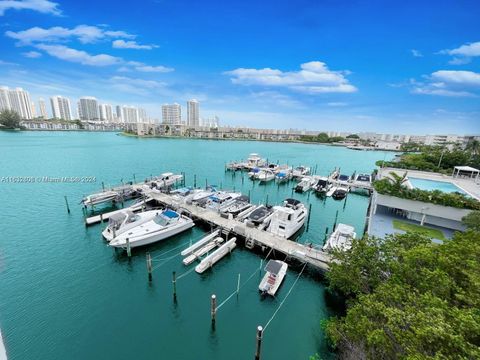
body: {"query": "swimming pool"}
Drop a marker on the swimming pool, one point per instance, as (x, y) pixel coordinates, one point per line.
(430, 185)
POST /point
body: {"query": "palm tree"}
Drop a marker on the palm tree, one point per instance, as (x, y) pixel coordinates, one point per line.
(474, 146)
(397, 181)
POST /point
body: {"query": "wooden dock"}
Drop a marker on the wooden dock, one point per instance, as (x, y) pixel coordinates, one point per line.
(314, 257)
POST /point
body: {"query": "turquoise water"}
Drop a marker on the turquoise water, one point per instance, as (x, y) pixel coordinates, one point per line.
(65, 295)
(430, 185)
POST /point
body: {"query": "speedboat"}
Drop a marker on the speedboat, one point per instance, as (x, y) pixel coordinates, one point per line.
(341, 238)
(163, 225)
(220, 199)
(252, 174)
(254, 160)
(125, 220)
(259, 215)
(273, 278)
(199, 197)
(288, 218)
(343, 178)
(283, 176)
(100, 198)
(304, 185)
(240, 204)
(301, 171)
(322, 186)
(266, 175)
(364, 178)
(165, 180)
(340, 193)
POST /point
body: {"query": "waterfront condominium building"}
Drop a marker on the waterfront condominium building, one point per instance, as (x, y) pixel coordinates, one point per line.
(88, 108)
(106, 112)
(61, 108)
(17, 100)
(130, 114)
(118, 112)
(42, 109)
(193, 113)
(171, 114)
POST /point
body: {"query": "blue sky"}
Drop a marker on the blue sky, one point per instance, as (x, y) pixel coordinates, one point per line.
(385, 66)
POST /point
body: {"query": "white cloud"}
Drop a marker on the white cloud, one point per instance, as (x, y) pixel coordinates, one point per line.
(32, 54)
(416, 53)
(453, 83)
(84, 33)
(314, 77)
(78, 56)
(140, 87)
(149, 68)
(42, 6)
(463, 54)
(337, 104)
(122, 44)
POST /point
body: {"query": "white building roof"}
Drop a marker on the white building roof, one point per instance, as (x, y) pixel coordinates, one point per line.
(466, 168)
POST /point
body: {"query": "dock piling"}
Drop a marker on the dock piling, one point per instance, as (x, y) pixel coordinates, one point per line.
(101, 218)
(309, 214)
(259, 342)
(238, 284)
(174, 281)
(129, 250)
(149, 266)
(326, 234)
(66, 202)
(213, 309)
(194, 181)
(103, 186)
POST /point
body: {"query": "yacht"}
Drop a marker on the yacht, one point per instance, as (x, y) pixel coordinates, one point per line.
(254, 160)
(273, 278)
(100, 198)
(340, 193)
(164, 224)
(283, 176)
(125, 220)
(288, 218)
(304, 185)
(266, 175)
(165, 180)
(343, 178)
(253, 173)
(199, 196)
(341, 238)
(364, 178)
(301, 171)
(323, 185)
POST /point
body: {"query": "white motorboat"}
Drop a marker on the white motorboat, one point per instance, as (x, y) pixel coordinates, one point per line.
(240, 204)
(199, 197)
(165, 180)
(100, 198)
(253, 173)
(323, 185)
(125, 220)
(301, 171)
(164, 224)
(266, 175)
(305, 184)
(259, 215)
(331, 191)
(220, 199)
(283, 176)
(273, 278)
(343, 179)
(341, 238)
(287, 219)
(254, 160)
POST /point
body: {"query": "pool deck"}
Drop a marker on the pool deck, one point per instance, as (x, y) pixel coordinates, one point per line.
(470, 186)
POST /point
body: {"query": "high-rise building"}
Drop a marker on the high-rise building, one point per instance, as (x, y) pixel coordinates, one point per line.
(42, 109)
(88, 108)
(193, 113)
(130, 114)
(17, 100)
(61, 108)
(171, 114)
(106, 112)
(118, 111)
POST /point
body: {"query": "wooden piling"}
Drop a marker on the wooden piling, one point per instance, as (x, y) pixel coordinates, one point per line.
(149, 266)
(194, 180)
(238, 284)
(266, 201)
(101, 218)
(259, 342)
(174, 281)
(103, 186)
(66, 202)
(309, 214)
(213, 308)
(129, 250)
(326, 234)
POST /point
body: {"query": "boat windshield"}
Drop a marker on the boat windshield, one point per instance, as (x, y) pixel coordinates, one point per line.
(161, 220)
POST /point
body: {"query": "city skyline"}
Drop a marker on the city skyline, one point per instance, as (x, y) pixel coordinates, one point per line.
(319, 67)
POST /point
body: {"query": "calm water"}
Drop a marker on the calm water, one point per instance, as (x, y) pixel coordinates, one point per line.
(65, 295)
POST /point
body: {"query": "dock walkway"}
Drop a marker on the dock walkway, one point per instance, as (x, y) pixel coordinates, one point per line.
(314, 257)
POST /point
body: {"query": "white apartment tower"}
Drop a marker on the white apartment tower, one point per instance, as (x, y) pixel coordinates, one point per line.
(42, 108)
(106, 112)
(88, 108)
(193, 113)
(61, 108)
(130, 114)
(17, 100)
(172, 114)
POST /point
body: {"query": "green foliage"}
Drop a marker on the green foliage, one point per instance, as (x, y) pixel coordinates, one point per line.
(79, 123)
(431, 156)
(10, 119)
(472, 221)
(409, 298)
(387, 186)
(321, 138)
(353, 136)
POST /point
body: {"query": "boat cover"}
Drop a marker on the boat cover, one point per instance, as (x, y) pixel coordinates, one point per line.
(273, 267)
(170, 214)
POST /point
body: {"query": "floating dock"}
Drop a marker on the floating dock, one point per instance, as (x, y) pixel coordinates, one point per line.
(253, 236)
(216, 256)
